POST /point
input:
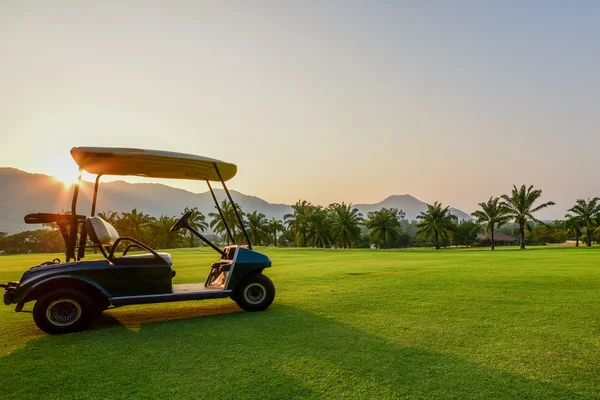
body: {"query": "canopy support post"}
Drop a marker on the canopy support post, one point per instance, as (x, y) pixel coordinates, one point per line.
(93, 213)
(70, 253)
(237, 214)
(83, 234)
(220, 212)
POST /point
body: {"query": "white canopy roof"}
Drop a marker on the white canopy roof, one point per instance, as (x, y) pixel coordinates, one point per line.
(150, 163)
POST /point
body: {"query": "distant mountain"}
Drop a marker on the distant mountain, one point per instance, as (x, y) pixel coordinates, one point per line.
(23, 193)
(407, 203)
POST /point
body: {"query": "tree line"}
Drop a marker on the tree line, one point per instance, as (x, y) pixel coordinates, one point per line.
(343, 226)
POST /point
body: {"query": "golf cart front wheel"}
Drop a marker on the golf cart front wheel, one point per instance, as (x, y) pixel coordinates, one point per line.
(63, 311)
(254, 293)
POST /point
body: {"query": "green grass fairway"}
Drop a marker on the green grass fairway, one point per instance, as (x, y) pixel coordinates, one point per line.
(382, 324)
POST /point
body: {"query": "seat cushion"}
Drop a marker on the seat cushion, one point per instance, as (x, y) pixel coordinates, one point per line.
(164, 256)
(101, 232)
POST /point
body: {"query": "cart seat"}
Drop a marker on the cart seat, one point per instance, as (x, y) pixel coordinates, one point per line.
(105, 235)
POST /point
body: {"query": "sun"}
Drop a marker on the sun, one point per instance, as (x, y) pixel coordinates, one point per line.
(65, 172)
(65, 180)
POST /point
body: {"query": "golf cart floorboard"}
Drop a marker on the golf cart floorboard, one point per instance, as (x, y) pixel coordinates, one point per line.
(194, 287)
(181, 292)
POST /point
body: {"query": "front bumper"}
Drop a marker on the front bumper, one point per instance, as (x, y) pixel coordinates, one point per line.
(9, 288)
(8, 297)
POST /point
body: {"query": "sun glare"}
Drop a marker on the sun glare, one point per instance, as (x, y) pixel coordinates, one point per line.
(66, 173)
(67, 181)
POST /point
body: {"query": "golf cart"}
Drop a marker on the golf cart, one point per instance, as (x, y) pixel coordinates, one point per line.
(70, 295)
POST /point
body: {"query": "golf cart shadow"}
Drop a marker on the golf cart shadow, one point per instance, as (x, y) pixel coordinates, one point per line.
(134, 317)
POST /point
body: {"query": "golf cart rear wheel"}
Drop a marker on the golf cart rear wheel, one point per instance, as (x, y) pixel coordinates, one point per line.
(63, 311)
(254, 293)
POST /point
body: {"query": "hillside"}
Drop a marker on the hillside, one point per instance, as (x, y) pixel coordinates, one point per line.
(23, 193)
(407, 203)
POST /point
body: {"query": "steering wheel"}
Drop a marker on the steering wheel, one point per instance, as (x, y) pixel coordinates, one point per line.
(181, 223)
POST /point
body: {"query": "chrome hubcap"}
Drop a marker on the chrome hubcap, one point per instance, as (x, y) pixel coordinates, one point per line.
(63, 312)
(255, 293)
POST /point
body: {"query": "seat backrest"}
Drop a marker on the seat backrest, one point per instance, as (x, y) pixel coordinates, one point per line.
(101, 232)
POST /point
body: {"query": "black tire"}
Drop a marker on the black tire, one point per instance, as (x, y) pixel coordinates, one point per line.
(254, 292)
(64, 311)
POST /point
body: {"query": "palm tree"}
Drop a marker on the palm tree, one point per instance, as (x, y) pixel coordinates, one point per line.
(319, 227)
(298, 221)
(110, 216)
(230, 217)
(133, 223)
(258, 227)
(197, 220)
(345, 223)
(587, 212)
(493, 214)
(574, 225)
(436, 223)
(384, 225)
(519, 206)
(275, 226)
(162, 237)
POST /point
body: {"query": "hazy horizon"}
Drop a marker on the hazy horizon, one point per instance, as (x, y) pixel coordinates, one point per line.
(340, 101)
(216, 186)
(89, 179)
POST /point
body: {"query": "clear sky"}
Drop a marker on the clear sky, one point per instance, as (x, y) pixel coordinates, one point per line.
(327, 101)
